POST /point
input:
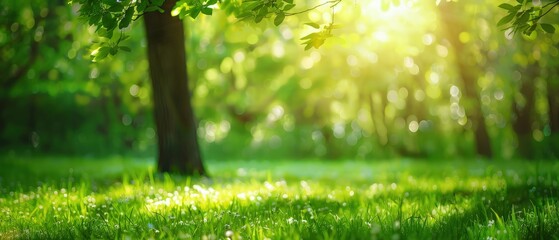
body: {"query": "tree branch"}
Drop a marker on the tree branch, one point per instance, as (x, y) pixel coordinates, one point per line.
(332, 3)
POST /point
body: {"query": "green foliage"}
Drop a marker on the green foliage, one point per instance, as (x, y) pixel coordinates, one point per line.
(525, 16)
(104, 48)
(123, 198)
(193, 8)
(111, 16)
(316, 39)
(108, 15)
(256, 11)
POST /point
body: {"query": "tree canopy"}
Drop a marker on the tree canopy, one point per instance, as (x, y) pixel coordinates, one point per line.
(112, 17)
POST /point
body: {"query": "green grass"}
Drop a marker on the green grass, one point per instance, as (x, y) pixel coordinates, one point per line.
(115, 198)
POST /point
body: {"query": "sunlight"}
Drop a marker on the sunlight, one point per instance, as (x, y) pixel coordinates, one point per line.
(376, 9)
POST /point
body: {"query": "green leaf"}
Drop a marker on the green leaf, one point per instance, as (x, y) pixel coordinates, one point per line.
(288, 7)
(279, 18)
(506, 19)
(317, 42)
(194, 13)
(110, 2)
(125, 48)
(288, 1)
(530, 29)
(310, 36)
(125, 22)
(114, 50)
(507, 6)
(106, 33)
(142, 6)
(254, 6)
(314, 25)
(524, 17)
(108, 21)
(548, 28)
(207, 11)
(116, 8)
(100, 53)
(94, 19)
(259, 18)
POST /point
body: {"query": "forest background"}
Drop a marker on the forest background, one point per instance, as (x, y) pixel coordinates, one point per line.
(408, 80)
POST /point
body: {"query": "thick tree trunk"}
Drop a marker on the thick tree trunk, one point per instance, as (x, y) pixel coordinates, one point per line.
(524, 112)
(467, 69)
(175, 124)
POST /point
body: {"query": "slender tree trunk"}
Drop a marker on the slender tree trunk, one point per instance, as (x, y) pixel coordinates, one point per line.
(378, 117)
(524, 112)
(3, 104)
(174, 118)
(32, 135)
(553, 111)
(104, 126)
(468, 71)
(332, 151)
(417, 109)
(553, 101)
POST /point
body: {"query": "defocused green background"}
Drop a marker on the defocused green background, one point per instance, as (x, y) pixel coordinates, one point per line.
(412, 80)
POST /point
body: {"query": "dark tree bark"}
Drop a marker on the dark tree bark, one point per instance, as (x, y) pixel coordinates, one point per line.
(175, 124)
(524, 112)
(467, 66)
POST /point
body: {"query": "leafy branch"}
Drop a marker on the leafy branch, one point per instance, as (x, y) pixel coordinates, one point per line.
(333, 4)
(317, 38)
(525, 16)
(109, 47)
(110, 16)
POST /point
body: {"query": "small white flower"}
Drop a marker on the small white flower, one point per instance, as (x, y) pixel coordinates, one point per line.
(291, 220)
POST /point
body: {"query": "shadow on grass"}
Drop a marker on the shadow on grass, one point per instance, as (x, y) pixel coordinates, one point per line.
(26, 174)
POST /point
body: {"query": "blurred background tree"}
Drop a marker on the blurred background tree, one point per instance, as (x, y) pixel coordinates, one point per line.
(398, 79)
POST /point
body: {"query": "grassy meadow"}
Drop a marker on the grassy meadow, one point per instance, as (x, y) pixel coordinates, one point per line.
(120, 198)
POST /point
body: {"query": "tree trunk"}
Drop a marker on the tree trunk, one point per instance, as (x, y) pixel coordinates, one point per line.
(174, 118)
(524, 112)
(467, 69)
(377, 108)
(553, 111)
(4, 101)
